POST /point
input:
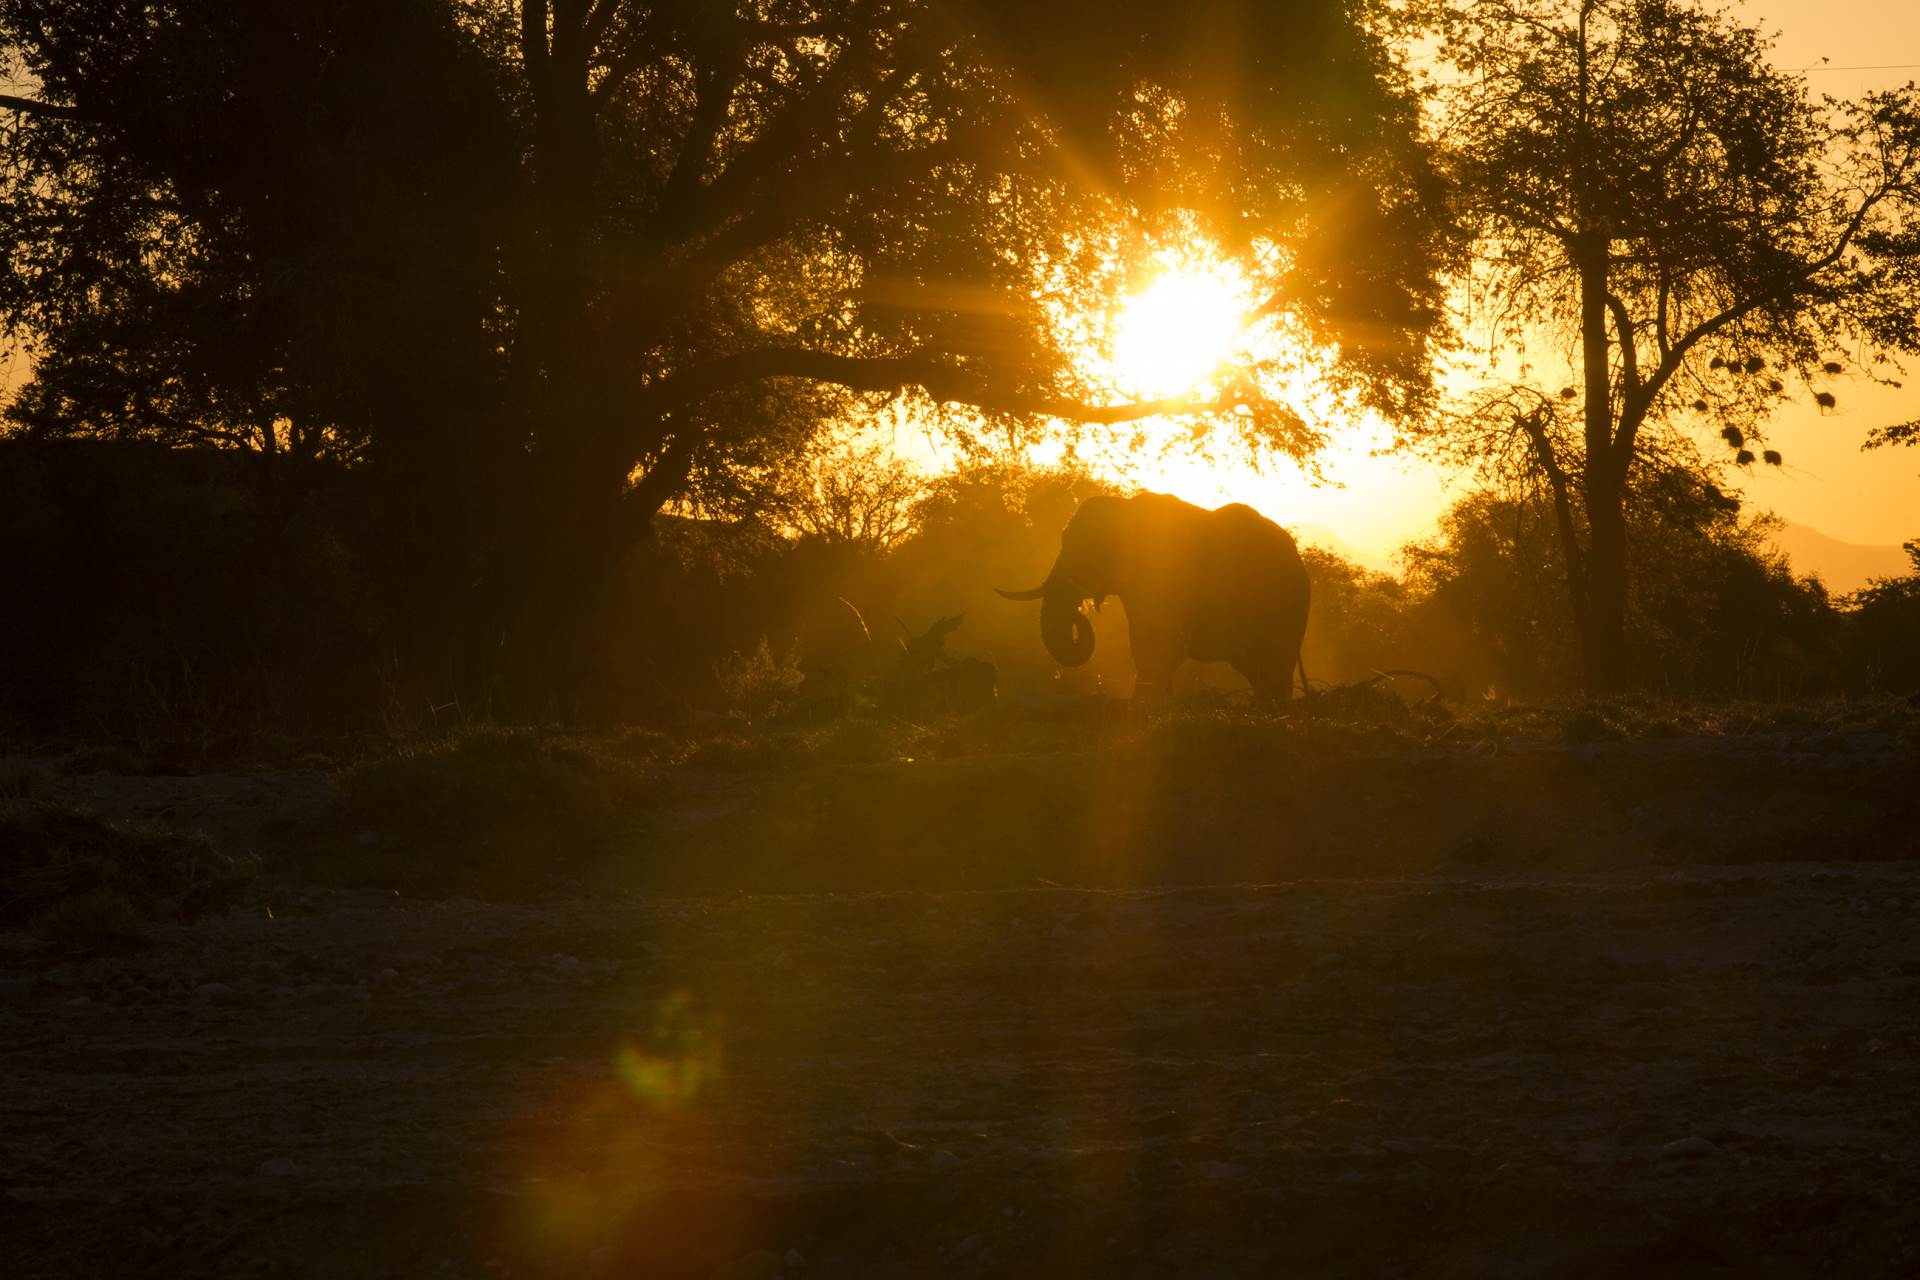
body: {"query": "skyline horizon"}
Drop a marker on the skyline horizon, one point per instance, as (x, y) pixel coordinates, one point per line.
(1379, 503)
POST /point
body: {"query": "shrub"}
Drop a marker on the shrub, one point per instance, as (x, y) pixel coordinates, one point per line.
(90, 883)
(758, 684)
(488, 809)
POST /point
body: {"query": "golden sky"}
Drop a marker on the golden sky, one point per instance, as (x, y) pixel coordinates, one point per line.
(1827, 483)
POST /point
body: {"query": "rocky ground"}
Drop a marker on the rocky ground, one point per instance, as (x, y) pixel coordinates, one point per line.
(1666, 1066)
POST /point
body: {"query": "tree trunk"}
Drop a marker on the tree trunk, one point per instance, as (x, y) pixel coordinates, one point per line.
(1603, 639)
(1602, 620)
(569, 526)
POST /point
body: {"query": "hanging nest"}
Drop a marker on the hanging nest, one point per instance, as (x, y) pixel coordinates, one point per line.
(1699, 406)
(1567, 393)
(1744, 457)
(1716, 363)
(1833, 366)
(1825, 399)
(1771, 457)
(1755, 364)
(1733, 436)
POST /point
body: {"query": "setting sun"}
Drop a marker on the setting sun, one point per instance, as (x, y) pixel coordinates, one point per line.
(1173, 335)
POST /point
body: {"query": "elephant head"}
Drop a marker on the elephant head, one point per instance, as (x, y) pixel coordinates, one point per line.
(1086, 569)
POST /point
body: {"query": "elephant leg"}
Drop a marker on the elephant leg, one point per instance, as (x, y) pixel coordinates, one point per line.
(1271, 675)
(1156, 656)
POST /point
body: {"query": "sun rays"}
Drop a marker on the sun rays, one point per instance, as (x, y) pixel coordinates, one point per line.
(1175, 335)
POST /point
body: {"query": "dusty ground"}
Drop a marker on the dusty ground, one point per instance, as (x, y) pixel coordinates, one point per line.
(1639, 1064)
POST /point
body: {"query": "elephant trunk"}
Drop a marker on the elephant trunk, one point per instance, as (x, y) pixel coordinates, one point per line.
(1064, 627)
(1066, 630)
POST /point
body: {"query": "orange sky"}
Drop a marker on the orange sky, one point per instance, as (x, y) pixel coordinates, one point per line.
(1828, 482)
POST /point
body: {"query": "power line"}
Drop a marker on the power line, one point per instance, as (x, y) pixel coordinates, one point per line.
(1883, 66)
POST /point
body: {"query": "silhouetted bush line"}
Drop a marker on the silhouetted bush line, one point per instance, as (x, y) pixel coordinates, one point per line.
(1216, 787)
(87, 883)
(174, 612)
(1003, 796)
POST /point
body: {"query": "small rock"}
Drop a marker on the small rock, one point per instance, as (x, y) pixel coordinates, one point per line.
(761, 1264)
(213, 992)
(278, 1167)
(386, 976)
(16, 990)
(80, 1001)
(1688, 1148)
(366, 840)
(795, 1259)
(944, 1160)
(968, 1247)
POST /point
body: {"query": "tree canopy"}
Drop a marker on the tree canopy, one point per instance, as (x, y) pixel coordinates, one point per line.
(572, 260)
(1686, 227)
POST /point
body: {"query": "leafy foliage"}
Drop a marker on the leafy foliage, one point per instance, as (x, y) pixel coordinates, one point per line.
(1684, 224)
(1883, 626)
(1713, 610)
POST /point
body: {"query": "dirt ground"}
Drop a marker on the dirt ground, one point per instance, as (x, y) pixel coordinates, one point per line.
(1631, 1060)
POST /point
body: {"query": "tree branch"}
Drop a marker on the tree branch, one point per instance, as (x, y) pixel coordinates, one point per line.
(942, 381)
(34, 107)
(662, 483)
(1629, 356)
(599, 18)
(1788, 283)
(714, 87)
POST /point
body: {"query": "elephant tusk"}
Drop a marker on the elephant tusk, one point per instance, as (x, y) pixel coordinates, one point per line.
(1034, 594)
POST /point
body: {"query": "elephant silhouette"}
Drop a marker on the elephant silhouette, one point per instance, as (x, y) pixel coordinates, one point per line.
(1226, 585)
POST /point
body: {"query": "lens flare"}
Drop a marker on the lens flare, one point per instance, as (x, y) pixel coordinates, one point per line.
(682, 1056)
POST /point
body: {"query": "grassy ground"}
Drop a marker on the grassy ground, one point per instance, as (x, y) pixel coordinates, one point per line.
(1603, 988)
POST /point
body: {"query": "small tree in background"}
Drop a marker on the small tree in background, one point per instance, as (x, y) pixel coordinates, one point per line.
(1699, 238)
(859, 497)
(1883, 629)
(1713, 609)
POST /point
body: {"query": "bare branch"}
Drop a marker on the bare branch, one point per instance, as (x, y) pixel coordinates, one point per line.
(941, 380)
(34, 107)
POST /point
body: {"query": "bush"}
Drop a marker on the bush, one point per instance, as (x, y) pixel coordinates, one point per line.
(490, 809)
(757, 684)
(90, 884)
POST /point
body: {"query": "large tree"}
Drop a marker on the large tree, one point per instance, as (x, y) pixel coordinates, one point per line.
(768, 212)
(248, 226)
(1694, 235)
(727, 223)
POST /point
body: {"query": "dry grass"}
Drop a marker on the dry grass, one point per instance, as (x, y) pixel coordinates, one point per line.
(490, 809)
(90, 884)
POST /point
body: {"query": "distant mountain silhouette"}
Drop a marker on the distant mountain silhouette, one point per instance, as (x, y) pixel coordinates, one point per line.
(1843, 566)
